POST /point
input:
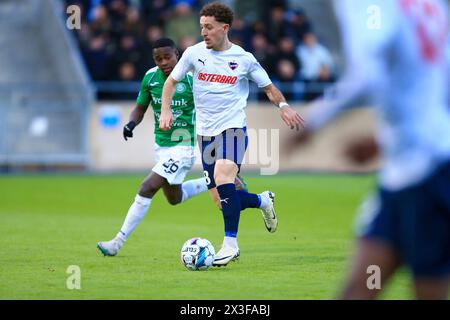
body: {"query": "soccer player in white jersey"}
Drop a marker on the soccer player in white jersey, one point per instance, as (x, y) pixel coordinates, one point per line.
(221, 73)
(399, 63)
(174, 154)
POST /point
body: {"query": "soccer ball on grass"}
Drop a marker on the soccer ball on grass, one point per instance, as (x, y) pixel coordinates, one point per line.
(197, 254)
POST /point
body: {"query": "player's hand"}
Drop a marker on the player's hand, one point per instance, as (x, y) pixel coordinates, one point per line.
(291, 118)
(128, 130)
(166, 120)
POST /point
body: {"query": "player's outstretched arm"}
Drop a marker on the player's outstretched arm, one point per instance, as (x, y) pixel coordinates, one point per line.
(166, 118)
(136, 117)
(289, 115)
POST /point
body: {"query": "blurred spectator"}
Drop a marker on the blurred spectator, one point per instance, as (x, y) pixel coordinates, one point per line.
(83, 35)
(127, 72)
(117, 36)
(261, 51)
(156, 11)
(299, 26)
(277, 26)
(250, 10)
(117, 9)
(128, 51)
(259, 27)
(286, 51)
(286, 74)
(97, 58)
(185, 42)
(182, 23)
(101, 22)
(317, 64)
(240, 33)
(133, 23)
(153, 33)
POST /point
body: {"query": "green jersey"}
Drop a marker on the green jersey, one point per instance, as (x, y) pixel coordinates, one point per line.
(183, 108)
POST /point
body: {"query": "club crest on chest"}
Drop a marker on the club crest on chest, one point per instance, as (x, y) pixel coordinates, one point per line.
(233, 65)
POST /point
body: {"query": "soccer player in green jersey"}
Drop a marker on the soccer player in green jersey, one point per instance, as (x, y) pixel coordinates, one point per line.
(174, 148)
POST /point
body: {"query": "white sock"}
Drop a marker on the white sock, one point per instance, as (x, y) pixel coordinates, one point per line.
(264, 201)
(230, 241)
(135, 214)
(192, 188)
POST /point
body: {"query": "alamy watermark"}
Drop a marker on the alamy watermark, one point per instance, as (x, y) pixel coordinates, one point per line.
(374, 280)
(73, 21)
(73, 281)
(263, 148)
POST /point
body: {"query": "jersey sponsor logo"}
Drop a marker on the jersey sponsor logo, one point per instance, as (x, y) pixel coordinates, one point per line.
(180, 87)
(233, 65)
(218, 78)
(175, 103)
(176, 115)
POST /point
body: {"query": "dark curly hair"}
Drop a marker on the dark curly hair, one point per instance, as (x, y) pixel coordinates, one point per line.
(218, 10)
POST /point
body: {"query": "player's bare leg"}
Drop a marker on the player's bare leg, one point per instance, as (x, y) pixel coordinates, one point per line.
(149, 187)
(369, 252)
(175, 194)
(432, 289)
(215, 197)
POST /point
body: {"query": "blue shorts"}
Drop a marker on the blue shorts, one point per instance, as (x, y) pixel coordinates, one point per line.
(416, 222)
(231, 144)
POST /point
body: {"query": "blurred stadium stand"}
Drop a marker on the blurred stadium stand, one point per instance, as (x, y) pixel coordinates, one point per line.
(51, 79)
(116, 38)
(45, 91)
(326, 27)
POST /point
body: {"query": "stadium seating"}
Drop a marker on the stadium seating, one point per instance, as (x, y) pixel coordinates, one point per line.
(45, 91)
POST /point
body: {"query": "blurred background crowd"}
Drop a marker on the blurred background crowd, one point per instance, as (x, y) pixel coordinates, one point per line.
(116, 38)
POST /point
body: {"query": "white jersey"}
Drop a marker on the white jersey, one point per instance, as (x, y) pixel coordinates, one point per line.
(220, 85)
(395, 50)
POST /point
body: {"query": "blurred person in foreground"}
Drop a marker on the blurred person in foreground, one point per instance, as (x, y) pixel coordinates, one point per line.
(399, 64)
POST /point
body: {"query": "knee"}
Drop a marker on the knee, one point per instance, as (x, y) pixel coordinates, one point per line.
(220, 179)
(225, 172)
(223, 178)
(173, 200)
(148, 189)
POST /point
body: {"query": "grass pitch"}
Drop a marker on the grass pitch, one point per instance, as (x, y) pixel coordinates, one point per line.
(48, 223)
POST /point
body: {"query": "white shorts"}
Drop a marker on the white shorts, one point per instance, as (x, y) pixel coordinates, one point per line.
(173, 163)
